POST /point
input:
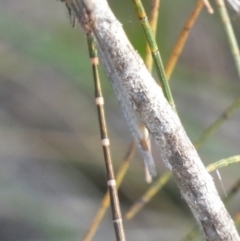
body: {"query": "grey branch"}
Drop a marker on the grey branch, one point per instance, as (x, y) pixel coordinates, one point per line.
(125, 67)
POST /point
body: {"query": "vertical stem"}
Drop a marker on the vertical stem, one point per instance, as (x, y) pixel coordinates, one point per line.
(149, 65)
(153, 20)
(208, 6)
(116, 212)
(155, 52)
(230, 33)
(182, 39)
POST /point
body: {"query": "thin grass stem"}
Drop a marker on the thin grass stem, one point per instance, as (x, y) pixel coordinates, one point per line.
(153, 20)
(221, 119)
(208, 6)
(155, 187)
(182, 39)
(230, 33)
(154, 50)
(223, 163)
(237, 219)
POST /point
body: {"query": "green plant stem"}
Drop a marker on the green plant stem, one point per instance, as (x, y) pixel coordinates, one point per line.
(230, 33)
(155, 52)
(223, 117)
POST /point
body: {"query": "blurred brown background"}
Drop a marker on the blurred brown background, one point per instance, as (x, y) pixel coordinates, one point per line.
(52, 175)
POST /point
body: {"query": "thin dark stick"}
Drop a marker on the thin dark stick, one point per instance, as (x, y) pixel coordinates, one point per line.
(111, 182)
(116, 212)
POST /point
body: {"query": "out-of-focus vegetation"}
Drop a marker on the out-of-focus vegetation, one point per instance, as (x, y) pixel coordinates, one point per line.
(52, 173)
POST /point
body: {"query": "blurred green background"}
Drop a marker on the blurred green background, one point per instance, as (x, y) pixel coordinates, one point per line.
(52, 175)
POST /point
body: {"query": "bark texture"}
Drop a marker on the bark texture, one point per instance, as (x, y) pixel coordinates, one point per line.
(127, 72)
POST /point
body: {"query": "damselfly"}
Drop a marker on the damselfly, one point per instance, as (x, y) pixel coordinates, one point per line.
(125, 104)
